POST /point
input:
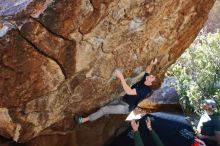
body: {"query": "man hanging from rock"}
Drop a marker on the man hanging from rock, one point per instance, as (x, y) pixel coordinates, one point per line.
(126, 103)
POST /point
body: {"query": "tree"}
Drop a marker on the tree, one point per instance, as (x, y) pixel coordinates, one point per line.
(198, 72)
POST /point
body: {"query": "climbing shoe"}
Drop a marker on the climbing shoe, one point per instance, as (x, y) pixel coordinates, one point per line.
(78, 119)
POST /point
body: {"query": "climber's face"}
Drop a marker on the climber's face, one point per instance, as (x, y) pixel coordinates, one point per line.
(149, 80)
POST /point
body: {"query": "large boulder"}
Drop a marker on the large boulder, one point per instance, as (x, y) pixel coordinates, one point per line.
(57, 56)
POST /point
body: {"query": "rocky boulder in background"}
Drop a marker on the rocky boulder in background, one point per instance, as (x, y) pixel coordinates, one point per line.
(57, 56)
(213, 22)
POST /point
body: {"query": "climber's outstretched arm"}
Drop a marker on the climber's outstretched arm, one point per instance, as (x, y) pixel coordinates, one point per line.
(149, 67)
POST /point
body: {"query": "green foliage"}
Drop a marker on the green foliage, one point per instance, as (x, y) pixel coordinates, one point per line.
(198, 72)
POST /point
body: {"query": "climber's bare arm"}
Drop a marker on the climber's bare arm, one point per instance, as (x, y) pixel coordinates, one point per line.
(149, 67)
(125, 86)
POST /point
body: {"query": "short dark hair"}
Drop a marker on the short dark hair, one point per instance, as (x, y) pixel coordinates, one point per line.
(156, 83)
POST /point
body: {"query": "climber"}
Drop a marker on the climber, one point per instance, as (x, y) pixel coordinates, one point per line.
(126, 103)
(208, 128)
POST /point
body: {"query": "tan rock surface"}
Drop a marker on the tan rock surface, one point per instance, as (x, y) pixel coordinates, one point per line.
(58, 57)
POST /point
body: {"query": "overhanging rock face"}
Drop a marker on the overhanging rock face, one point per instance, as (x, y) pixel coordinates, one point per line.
(57, 57)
